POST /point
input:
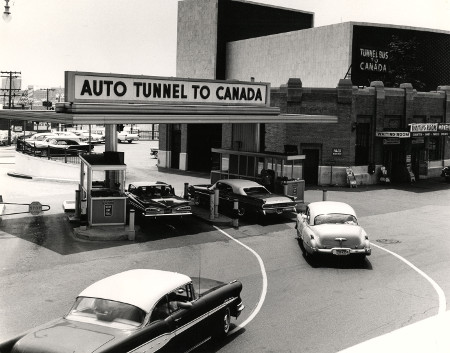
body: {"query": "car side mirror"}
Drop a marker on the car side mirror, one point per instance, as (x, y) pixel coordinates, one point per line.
(185, 305)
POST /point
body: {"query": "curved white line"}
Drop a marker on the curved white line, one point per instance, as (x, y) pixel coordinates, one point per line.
(440, 292)
(264, 284)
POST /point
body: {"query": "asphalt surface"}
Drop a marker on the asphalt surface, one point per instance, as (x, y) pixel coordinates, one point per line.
(41, 255)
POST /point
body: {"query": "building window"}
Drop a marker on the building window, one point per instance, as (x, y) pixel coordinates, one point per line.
(362, 144)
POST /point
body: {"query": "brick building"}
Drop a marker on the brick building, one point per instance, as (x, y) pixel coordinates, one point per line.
(347, 70)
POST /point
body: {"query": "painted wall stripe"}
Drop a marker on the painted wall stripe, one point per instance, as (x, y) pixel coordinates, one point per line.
(440, 292)
(264, 284)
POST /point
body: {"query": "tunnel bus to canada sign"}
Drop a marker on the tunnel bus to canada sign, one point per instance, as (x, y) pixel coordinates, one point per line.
(115, 88)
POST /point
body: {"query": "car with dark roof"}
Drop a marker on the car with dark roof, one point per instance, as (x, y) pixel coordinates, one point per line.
(253, 198)
(156, 199)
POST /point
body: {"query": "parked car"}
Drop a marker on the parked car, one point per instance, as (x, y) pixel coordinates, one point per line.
(127, 136)
(3, 138)
(446, 173)
(154, 152)
(252, 197)
(330, 227)
(157, 199)
(84, 136)
(38, 137)
(140, 310)
(58, 144)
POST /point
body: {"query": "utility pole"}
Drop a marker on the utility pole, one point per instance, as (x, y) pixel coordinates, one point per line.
(11, 91)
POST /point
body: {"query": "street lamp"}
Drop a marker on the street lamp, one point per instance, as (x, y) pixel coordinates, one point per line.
(6, 14)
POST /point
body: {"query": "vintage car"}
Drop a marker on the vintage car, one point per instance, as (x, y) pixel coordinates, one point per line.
(330, 227)
(157, 199)
(58, 144)
(445, 173)
(127, 136)
(252, 197)
(84, 136)
(140, 310)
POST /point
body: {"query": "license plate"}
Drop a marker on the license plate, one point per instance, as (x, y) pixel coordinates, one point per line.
(341, 252)
(168, 211)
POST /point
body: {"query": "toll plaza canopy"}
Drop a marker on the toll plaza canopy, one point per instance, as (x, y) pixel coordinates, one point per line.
(99, 98)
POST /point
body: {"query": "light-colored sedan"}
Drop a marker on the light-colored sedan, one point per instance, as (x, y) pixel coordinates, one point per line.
(331, 227)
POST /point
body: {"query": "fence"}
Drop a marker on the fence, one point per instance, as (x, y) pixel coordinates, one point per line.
(64, 155)
(151, 135)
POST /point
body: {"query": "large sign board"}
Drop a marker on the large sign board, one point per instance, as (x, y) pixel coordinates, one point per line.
(88, 87)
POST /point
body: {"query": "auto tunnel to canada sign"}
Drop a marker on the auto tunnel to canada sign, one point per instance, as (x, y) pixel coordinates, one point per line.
(97, 87)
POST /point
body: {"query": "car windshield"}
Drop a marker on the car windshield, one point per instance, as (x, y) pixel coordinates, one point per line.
(335, 218)
(256, 190)
(107, 313)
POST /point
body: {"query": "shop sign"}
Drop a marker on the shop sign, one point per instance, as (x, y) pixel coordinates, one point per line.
(337, 151)
(417, 140)
(373, 60)
(423, 127)
(97, 87)
(398, 134)
(391, 141)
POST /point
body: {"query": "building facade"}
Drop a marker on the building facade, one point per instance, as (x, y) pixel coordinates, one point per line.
(381, 81)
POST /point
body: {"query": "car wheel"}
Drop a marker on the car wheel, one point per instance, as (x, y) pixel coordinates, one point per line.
(223, 323)
(44, 153)
(197, 200)
(241, 211)
(129, 141)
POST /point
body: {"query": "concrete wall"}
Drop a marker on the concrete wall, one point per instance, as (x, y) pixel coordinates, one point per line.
(43, 168)
(320, 56)
(197, 39)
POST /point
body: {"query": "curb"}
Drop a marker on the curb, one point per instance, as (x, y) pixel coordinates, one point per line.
(18, 175)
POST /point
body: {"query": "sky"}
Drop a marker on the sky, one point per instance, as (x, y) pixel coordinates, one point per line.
(47, 37)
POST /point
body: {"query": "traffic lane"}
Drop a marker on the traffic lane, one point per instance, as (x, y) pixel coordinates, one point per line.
(39, 284)
(332, 306)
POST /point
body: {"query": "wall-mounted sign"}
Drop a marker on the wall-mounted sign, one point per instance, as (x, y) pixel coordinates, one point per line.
(337, 151)
(398, 134)
(429, 129)
(98, 87)
(391, 141)
(373, 60)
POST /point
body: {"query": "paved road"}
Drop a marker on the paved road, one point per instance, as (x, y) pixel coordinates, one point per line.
(307, 308)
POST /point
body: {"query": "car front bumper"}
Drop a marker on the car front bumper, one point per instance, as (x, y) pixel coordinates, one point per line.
(278, 210)
(174, 214)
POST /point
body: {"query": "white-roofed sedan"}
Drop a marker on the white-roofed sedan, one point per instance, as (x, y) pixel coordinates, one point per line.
(141, 310)
(329, 227)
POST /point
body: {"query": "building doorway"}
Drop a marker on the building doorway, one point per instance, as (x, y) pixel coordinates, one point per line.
(311, 164)
(201, 138)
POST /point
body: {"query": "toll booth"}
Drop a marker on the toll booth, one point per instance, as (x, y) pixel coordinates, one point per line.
(281, 173)
(102, 198)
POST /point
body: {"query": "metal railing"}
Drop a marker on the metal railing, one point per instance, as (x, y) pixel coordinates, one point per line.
(70, 156)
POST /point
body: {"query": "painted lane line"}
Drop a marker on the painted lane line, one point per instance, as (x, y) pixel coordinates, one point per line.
(264, 284)
(440, 292)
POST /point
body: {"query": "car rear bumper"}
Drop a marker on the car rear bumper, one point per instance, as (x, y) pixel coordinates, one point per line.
(278, 210)
(343, 251)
